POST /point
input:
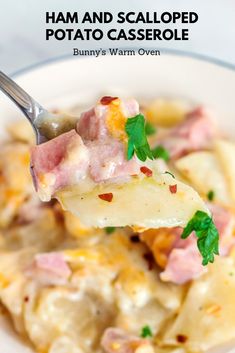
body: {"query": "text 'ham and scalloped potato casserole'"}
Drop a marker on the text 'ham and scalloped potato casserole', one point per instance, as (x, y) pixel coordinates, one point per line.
(128, 286)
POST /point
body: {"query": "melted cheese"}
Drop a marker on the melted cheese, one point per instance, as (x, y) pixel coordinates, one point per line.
(116, 120)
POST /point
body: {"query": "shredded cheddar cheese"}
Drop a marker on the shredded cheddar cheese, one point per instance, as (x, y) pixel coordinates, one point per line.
(160, 242)
(3, 281)
(25, 158)
(116, 120)
(82, 255)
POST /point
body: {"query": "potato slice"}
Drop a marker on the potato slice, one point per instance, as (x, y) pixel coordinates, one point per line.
(204, 173)
(166, 112)
(207, 318)
(225, 151)
(144, 202)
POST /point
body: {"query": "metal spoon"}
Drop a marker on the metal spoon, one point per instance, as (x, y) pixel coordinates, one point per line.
(46, 125)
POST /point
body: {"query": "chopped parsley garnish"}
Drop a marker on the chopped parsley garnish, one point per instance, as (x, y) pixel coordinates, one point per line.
(161, 152)
(146, 332)
(166, 172)
(207, 235)
(211, 195)
(110, 230)
(137, 140)
(150, 129)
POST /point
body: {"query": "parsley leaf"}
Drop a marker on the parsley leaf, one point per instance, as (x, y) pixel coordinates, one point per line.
(137, 140)
(207, 234)
(211, 195)
(146, 332)
(161, 152)
(149, 129)
(110, 230)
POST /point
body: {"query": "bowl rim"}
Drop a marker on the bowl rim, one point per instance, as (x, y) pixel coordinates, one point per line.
(168, 51)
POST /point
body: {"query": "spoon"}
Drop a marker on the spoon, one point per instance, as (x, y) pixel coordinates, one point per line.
(46, 125)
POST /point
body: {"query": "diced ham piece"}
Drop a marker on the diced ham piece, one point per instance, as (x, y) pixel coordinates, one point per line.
(107, 154)
(109, 161)
(116, 340)
(184, 264)
(59, 162)
(183, 260)
(194, 133)
(49, 268)
(91, 125)
(91, 151)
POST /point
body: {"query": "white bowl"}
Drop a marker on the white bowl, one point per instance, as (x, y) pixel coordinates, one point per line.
(78, 81)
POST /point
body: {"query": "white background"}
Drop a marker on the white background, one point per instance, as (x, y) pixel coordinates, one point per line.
(22, 28)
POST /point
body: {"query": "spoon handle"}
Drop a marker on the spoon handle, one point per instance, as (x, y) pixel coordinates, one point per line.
(29, 107)
(22, 99)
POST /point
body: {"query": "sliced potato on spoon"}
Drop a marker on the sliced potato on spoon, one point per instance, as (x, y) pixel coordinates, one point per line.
(149, 202)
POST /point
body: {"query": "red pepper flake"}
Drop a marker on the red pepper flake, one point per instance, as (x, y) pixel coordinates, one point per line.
(181, 338)
(106, 197)
(148, 172)
(173, 188)
(26, 299)
(106, 100)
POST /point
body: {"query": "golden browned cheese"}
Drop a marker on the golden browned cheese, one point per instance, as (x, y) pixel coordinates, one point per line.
(160, 242)
(116, 120)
